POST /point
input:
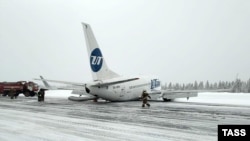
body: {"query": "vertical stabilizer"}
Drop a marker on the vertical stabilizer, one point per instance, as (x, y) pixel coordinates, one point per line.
(99, 68)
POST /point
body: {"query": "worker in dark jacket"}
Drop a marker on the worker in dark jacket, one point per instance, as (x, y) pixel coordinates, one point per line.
(41, 94)
(12, 93)
(144, 98)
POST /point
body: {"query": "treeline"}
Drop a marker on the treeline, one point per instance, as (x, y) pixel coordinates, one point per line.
(236, 86)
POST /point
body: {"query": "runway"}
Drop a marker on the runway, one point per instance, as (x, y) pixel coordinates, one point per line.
(60, 119)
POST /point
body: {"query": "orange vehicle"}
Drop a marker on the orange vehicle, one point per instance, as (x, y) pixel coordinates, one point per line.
(27, 88)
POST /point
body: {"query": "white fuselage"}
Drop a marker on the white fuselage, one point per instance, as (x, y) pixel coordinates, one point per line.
(126, 91)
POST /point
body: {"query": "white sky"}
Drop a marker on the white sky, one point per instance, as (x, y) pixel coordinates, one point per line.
(177, 40)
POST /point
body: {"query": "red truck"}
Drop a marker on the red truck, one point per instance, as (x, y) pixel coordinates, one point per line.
(27, 88)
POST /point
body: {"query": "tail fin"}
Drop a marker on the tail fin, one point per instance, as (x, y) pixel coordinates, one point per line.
(99, 68)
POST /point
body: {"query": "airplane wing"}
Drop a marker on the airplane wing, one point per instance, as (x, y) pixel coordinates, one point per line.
(83, 84)
(113, 82)
(62, 82)
(172, 94)
(49, 87)
(46, 84)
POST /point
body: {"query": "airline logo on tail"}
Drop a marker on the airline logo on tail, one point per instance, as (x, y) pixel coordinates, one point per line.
(96, 60)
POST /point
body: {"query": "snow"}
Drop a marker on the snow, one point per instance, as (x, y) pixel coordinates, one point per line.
(56, 119)
(220, 98)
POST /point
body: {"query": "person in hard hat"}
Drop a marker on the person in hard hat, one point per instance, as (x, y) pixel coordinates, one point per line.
(144, 98)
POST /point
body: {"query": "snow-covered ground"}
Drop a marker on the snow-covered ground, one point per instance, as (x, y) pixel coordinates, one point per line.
(58, 119)
(220, 98)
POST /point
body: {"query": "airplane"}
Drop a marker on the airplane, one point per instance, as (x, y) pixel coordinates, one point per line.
(111, 86)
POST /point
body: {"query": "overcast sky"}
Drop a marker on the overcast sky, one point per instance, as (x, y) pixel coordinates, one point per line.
(176, 40)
